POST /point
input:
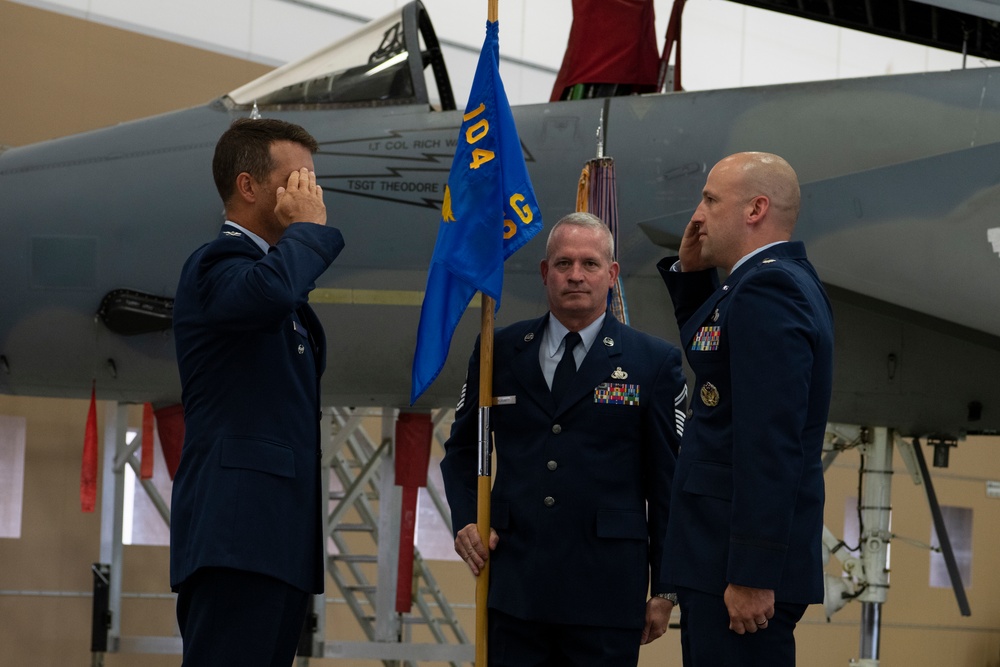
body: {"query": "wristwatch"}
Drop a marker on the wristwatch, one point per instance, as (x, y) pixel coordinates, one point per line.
(667, 596)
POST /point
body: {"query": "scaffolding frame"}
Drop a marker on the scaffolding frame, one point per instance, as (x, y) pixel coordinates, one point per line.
(367, 496)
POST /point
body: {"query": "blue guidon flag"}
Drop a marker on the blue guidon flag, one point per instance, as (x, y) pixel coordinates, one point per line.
(489, 211)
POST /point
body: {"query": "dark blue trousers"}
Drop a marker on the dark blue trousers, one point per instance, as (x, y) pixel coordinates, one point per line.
(514, 642)
(707, 641)
(231, 617)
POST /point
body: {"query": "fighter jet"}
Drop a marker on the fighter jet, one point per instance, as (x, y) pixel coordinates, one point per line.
(900, 193)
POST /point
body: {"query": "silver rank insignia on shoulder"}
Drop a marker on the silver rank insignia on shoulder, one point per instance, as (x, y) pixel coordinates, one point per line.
(619, 374)
(709, 395)
(229, 233)
(609, 341)
(769, 261)
(529, 337)
(715, 315)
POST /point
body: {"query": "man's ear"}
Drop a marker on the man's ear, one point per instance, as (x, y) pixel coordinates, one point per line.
(758, 208)
(245, 187)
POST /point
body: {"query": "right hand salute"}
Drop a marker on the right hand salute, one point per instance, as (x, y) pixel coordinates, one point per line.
(690, 250)
(300, 200)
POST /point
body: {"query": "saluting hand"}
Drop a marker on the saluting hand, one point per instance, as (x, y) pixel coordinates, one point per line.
(690, 250)
(300, 200)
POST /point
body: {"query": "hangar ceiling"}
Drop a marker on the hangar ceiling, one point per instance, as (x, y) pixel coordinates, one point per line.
(909, 20)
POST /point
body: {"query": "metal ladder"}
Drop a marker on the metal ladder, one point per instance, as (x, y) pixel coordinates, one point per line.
(365, 536)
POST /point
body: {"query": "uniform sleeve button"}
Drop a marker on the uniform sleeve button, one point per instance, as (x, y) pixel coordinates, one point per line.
(557, 429)
(549, 501)
(551, 465)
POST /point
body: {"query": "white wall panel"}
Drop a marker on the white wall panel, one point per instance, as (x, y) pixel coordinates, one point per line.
(713, 45)
(77, 8)
(461, 67)
(370, 8)
(225, 23)
(464, 21)
(795, 50)
(283, 32)
(546, 30)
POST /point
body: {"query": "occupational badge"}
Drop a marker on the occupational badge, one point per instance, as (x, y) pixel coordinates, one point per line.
(715, 315)
(619, 374)
(709, 395)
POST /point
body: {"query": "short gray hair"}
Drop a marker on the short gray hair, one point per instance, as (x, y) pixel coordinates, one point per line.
(590, 221)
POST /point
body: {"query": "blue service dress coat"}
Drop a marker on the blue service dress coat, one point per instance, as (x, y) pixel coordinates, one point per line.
(250, 353)
(573, 481)
(747, 504)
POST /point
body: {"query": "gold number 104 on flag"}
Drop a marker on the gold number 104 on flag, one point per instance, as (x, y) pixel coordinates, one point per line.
(474, 133)
(481, 156)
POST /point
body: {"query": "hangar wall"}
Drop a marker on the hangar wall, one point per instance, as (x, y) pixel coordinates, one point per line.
(60, 75)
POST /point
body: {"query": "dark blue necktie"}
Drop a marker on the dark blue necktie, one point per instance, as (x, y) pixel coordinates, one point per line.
(563, 378)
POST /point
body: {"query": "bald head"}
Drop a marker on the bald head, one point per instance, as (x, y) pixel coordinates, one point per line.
(749, 200)
(769, 175)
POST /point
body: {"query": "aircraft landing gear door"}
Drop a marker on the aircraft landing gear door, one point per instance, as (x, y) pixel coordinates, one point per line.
(419, 31)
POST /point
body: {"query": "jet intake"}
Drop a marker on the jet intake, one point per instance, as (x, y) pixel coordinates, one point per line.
(128, 313)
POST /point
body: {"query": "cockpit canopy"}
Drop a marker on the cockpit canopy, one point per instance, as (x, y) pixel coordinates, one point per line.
(381, 64)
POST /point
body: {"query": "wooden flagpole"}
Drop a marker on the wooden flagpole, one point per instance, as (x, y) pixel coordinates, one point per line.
(485, 477)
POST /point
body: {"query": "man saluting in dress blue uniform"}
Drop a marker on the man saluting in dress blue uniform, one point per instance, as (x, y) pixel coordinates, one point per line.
(585, 445)
(246, 535)
(743, 544)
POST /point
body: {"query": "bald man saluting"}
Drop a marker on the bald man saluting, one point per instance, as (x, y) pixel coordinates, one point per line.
(743, 546)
